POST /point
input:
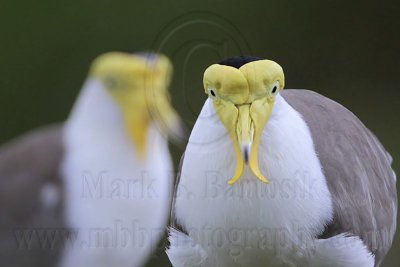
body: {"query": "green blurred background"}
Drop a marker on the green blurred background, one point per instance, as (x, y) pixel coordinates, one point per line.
(346, 50)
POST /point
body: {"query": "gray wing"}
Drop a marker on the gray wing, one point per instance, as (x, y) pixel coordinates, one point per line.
(357, 168)
(31, 199)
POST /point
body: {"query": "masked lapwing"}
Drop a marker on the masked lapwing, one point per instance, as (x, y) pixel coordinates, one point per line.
(94, 191)
(279, 178)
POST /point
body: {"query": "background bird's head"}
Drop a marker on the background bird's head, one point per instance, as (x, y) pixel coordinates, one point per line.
(243, 91)
(138, 83)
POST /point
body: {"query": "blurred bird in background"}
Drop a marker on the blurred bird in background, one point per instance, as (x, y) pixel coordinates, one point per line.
(98, 187)
(287, 178)
(117, 132)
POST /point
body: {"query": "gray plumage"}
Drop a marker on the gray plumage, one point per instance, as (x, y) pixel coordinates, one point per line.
(31, 199)
(357, 168)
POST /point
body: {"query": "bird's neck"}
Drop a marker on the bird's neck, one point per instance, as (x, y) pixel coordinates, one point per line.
(96, 120)
(95, 111)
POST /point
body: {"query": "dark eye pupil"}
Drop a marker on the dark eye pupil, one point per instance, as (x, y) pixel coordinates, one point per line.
(212, 92)
(274, 89)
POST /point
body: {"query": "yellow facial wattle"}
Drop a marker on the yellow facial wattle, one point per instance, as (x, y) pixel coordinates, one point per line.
(139, 85)
(243, 99)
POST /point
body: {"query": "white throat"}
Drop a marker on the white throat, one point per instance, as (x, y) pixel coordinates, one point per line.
(97, 121)
(95, 118)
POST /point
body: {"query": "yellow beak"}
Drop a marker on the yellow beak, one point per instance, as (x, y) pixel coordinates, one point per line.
(245, 124)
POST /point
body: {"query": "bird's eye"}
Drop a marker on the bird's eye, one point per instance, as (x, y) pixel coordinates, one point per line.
(275, 88)
(211, 93)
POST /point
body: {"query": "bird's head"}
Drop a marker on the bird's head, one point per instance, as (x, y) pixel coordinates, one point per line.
(243, 91)
(138, 83)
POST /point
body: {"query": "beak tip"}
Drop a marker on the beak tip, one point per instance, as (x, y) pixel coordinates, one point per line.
(246, 153)
(246, 156)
